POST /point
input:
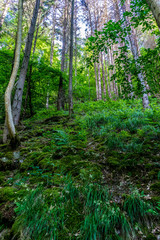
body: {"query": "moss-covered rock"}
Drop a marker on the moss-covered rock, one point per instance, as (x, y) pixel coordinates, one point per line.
(33, 158)
(7, 194)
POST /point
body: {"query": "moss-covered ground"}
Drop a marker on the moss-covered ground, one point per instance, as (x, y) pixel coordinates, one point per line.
(94, 176)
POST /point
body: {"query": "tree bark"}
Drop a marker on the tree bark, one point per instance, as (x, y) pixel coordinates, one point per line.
(108, 84)
(71, 63)
(17, 102)
(9, 124)
(99, 83)
(96, 78)
(154, 5)
(4, 13)
(134, 50)
(61, 97)
(103, 77)
(75, 32)
(53, 33)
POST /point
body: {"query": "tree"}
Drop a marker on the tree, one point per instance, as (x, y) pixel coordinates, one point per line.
(9, 124)
(61, 94)
(17, 102)
(155, 8)
(71, 62)
(4, 13)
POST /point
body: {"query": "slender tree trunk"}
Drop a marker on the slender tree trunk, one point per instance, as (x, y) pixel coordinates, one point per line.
(155, 8)
(53, 33)
(4, 13)
(71, 62)
(89, 85)
(75, 32)
(17, 102)
(9, 124)
(61, 97)
(108, 84)
(111, 71)
(99, 82)
(103, 77)
(134, 49)
(96, 78)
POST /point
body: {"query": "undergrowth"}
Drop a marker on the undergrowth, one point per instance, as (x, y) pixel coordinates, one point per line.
(97, 216)
(121, 125)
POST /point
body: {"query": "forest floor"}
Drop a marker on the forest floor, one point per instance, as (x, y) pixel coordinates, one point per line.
(95, 176)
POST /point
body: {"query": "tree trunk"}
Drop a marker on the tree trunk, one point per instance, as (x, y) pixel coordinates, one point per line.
(134, 50)
(108, 84)
(155, 8)
(96, 78)
(53, 33)
(17, 102)
(75, 32)
(103, 77)
(4, 13)
(61, 97)
(9, 124)
(99, 82)
(71, 62)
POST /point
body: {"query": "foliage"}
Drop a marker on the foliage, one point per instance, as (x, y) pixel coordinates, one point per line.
(124, 129)
(36, 219)
(125, 68)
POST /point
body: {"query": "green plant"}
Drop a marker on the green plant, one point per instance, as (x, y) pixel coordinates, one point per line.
(137, 209)
(37, 220)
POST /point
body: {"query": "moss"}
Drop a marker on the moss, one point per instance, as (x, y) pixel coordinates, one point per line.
(4, 146)
(7, 165)
(51, 194)
(25, 151)
(91, 174)
(155, 199)
(5, 234)
(9, 155)
(156, 187)
(153, 174)
(7, 194)
(15, 230)
(46, 164)
(2, 177)
(151, 237)
(33, 158)
(113, 162)
(2, 154)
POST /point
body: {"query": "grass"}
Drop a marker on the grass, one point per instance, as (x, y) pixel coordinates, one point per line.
(103, 136)
(123, 128)
(98, 217)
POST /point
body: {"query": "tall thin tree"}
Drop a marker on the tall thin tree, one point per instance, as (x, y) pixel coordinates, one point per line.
(71, 62)
(17, 102)
(9, 124)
